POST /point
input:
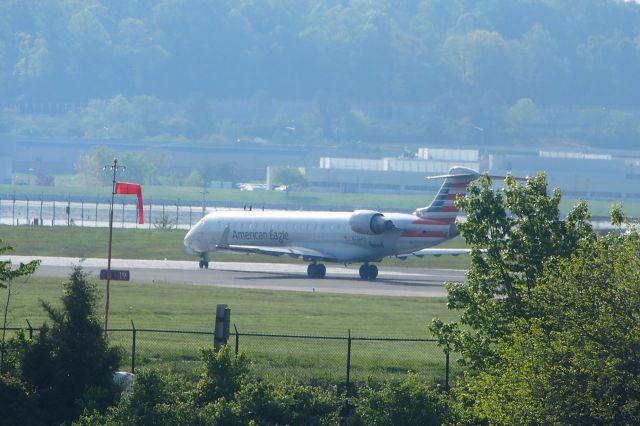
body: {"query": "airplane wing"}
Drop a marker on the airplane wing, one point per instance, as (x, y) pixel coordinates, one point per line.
(301, 252)
(435, 252)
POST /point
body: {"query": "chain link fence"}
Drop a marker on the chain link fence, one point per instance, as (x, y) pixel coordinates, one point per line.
(340, 360)
(44, 211)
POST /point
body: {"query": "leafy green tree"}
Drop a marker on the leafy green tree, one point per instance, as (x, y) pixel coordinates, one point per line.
(91, 166)
(194, 179)
(70, 366)
(578, 362)
(7, 276)
(513, 232)
(289, 177)
(522, 114)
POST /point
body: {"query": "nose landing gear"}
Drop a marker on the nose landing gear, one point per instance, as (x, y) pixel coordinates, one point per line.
(204, 261)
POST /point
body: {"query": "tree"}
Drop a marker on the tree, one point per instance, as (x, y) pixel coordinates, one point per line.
(513, 233)
(91, 166)
(70, 365)
(578, 362)
(7, 276)
(289, 177)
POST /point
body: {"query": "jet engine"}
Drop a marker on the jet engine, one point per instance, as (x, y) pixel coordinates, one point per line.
(369, 222)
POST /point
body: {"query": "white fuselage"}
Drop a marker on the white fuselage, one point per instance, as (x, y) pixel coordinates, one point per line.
(327, 232)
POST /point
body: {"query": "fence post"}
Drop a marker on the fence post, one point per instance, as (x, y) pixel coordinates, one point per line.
(30, 330)
(13, 212)
(348, 385)
(223, 321)
(446, 370)
(27, 197)
(53, 220)
(133, 347)
(237, 338)
(96, 220)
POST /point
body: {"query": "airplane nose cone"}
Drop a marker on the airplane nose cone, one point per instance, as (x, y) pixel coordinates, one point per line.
(190, 241)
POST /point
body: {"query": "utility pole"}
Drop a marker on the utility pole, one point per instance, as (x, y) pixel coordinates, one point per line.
(204, 192)
(114, 167)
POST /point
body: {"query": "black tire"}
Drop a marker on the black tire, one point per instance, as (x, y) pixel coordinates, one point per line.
(373, 272)
(206, 265)
(201, 264)
(321, 270)
(368, 272)
(312, 270)
(364, 272)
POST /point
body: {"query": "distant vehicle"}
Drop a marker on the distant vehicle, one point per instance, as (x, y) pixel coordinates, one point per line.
(253, 187)
(365, 236)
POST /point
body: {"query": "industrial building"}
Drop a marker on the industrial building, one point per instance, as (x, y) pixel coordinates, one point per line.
(589, 175)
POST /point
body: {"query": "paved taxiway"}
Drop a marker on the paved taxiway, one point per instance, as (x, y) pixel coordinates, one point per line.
(392, 281)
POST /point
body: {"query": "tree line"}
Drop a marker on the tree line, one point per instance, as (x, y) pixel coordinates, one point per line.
(322, 71)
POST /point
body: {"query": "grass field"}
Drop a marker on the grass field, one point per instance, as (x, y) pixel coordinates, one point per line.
(192, 308)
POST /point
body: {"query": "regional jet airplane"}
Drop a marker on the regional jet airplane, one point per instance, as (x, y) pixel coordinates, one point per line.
(320, 236)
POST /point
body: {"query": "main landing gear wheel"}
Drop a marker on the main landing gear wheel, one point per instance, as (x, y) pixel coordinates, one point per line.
(368, 272)
(316, 270)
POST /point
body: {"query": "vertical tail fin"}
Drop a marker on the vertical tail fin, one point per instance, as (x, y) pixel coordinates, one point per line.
(443, 207)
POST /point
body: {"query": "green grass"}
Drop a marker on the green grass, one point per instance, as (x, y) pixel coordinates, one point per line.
(76, 241)
(190, 307)
(184, 307)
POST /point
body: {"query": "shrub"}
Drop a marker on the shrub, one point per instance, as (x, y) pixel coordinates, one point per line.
(409, 402)
(223, 374)
(18, 403)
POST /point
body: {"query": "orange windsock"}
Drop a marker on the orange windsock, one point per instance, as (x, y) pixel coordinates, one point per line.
(135, 189)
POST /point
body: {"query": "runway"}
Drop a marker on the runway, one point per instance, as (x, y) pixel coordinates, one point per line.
(391, 281)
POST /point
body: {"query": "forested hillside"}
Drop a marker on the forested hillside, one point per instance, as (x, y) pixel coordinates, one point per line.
(454, 71)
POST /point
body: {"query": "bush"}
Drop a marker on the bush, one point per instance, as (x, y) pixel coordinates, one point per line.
(409, 402)
(156, 399)
(223, 374)
(19, 404)
(286, 402)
